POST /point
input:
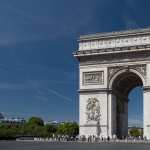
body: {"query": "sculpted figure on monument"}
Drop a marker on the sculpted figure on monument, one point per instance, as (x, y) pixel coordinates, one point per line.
(93, 109)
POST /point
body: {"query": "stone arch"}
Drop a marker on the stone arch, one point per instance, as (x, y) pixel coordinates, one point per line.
(121, 83)
(124, 62)
(123, 71)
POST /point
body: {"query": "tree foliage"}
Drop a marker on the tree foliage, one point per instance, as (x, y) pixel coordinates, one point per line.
(9, 131)
(35, 121)
(70, 129)
(135, 132)
(35, 127)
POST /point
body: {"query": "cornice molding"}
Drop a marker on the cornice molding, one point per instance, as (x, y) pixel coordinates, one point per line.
(92, 125)
(111, 50)
(115, 34)
(101, 90)
(113, 58)
(146, 89)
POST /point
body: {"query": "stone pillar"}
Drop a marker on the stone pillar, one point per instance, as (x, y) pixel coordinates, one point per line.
(122, 118)
(90, 127)
(111, 115)
(146, 112)
(146, 103)
(126, 118)
(114, 114)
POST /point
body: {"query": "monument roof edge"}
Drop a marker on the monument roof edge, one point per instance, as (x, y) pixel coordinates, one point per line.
(106, 35)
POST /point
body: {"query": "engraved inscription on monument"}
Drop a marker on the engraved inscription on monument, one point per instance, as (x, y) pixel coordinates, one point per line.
(96, 77)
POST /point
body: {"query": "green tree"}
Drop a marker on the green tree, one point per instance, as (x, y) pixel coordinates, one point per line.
(33, 127)
(50, 129)
(135, 132)
(9, 131)
(35, 121)
(70, 129)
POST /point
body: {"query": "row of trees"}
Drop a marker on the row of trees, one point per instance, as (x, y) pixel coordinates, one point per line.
(35, 127)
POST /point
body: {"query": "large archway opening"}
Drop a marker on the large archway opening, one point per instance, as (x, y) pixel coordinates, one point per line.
(122, 86)
(135, 109)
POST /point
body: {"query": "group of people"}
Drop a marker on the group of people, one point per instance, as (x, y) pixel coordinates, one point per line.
(58, 138)
(93, 138)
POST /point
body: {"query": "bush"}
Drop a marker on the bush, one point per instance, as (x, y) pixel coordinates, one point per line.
(35, 128)
(70, 129)
(135, 132)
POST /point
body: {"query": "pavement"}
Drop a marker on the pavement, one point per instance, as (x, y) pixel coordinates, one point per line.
(20, 145)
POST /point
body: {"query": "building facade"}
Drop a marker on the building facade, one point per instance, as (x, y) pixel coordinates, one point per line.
(110, 66)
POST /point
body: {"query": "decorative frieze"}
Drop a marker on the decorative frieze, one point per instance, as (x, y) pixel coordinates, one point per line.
(114, 42)
(95, 77)
(113, 70)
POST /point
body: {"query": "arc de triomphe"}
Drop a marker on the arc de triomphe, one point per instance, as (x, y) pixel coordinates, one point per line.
(111, 65)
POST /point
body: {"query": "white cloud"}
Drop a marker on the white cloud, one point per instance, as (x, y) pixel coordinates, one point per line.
(24, 24)
(45, 93)
(135, 121)
(60, 95)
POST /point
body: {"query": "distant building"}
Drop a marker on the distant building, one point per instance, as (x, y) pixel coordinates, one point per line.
(55, 123)
(13, 120)
(52, 122)
(17, 120)
(1, 117)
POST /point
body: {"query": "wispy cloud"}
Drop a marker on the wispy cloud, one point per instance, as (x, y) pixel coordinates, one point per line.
(25, 25)
(45, 21)
(45, 95)
(135, 121)
(7, 86)
(38, 88)
(60, 95)
(45, 75)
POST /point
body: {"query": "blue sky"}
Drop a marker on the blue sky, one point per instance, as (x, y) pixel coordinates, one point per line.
(38, 74)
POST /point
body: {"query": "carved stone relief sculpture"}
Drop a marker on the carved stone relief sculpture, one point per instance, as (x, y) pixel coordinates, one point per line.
(93, 110)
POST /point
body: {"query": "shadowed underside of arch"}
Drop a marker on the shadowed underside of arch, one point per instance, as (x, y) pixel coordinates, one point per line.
(125, 82)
